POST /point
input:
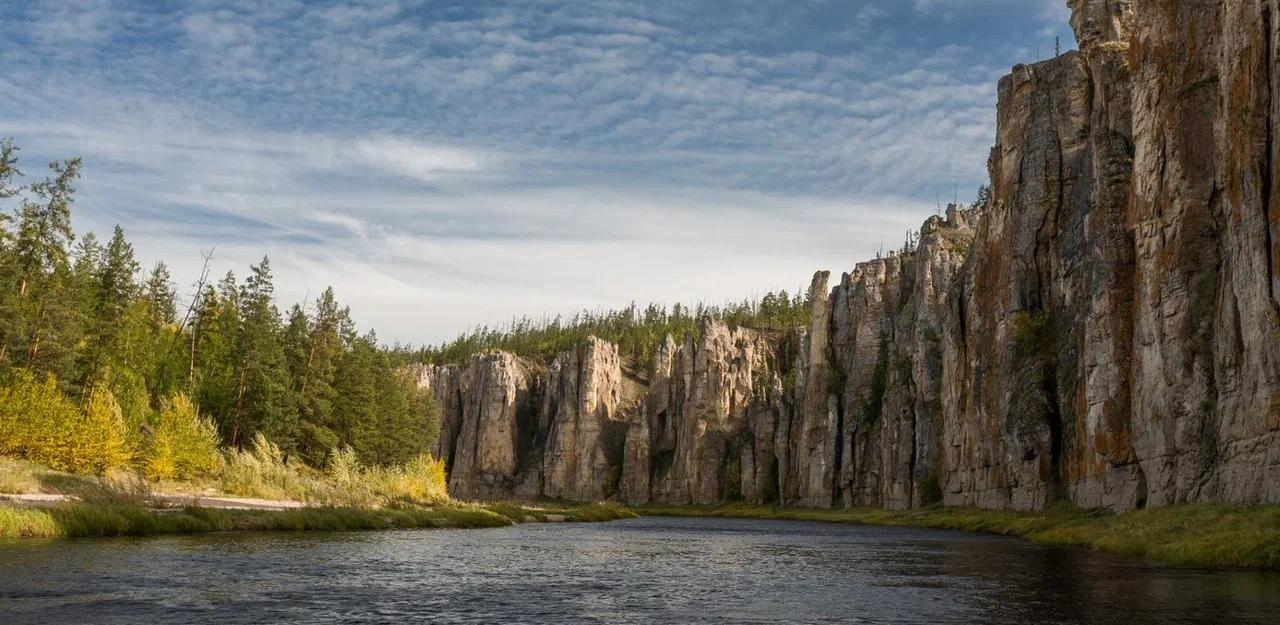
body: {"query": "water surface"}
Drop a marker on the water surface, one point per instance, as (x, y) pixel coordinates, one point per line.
(650, 570)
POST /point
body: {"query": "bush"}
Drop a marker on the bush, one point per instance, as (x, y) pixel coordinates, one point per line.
(130, 391)
(38, 423)
(101, 435)
(350, 484)
(183, 444)
(262, 471)
(423, 480)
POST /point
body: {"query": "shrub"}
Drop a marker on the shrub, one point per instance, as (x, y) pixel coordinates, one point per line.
(130, 391)
(348, 483)
(262, 471)
(183, 444)
(424, 480)
(28, 411)
(101, 436)
(38, 423)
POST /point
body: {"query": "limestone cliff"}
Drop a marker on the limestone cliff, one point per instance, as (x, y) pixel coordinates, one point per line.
(1106, 330)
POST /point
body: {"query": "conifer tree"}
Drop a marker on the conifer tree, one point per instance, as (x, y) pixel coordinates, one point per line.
(160, 297)
(264, 400)
(326, 335)
(117, 291)
(37, 334)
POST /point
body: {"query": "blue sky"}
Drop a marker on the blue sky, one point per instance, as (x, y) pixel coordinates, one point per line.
(443, 164)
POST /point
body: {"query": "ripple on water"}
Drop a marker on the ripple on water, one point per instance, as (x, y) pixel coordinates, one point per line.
(650, 570)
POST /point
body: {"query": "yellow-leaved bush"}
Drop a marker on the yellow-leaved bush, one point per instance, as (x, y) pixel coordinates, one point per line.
(38, 423)
(349, 483)
(183, 444)
(424, 480)
(263, 471)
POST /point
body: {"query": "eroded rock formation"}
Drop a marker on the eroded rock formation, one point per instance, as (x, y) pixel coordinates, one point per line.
(1106, 330)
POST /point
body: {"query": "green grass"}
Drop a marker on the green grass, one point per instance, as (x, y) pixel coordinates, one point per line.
(1203, 534)
(79, 520)
(96, 521)
(27, 523)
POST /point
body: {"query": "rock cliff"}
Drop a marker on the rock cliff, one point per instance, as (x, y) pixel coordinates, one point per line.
(1106, 330)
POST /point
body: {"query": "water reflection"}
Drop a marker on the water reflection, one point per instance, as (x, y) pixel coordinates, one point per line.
(638, 571)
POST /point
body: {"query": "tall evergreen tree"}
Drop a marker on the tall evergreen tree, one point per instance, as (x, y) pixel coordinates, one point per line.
(264, 399)
(117, 291)
(8, 169)
(44, 228)
(8, 172)
(355, 404)
(36, 321)
(211, 361)
(326, 335)
(160, 296)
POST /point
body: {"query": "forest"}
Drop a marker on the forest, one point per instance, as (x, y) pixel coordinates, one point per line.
(103, 364)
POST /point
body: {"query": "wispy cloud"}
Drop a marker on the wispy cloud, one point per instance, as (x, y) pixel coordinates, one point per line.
(449, 163)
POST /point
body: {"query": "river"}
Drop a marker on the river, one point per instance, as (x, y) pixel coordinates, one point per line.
(648, 570)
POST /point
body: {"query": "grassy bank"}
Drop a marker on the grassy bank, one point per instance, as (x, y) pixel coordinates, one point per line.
(80, 520)
(345, 497)
(1188, 534)
(74, 520)
(260, 472)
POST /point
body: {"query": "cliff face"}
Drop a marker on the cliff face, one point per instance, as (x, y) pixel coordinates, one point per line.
(1206, 363)
(1106, 331)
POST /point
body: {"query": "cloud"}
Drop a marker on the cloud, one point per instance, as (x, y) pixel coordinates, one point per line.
(414, 160)
(445, 163)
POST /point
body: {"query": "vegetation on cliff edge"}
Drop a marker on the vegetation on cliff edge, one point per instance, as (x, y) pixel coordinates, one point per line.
(637, 332)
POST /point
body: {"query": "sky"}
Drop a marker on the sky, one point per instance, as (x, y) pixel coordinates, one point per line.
(444, 164)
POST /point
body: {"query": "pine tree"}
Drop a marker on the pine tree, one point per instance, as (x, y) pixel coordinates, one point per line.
(8, 172)
(44, 229)
(983, 200)
(8, 169)
(160, 296)
(322, 348)
(117, 291)
(212, 360)
(35, 319)
(264, 400)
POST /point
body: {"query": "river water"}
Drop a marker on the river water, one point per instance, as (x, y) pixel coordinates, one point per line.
(649, 570)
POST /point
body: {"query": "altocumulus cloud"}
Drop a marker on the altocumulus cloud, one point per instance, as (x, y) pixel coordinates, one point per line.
(450, 163)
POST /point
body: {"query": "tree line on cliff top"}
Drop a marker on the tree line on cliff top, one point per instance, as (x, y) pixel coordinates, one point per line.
(638, 332)
(103, 364)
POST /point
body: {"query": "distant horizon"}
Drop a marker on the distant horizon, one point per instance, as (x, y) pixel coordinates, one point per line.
(446, 166)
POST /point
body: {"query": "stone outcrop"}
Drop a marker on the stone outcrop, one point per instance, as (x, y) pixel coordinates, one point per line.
(484, 405)
(582, 419)
(510, 427)
(1106, 330)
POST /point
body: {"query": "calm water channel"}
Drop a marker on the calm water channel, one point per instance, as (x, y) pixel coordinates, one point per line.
(650, 570)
